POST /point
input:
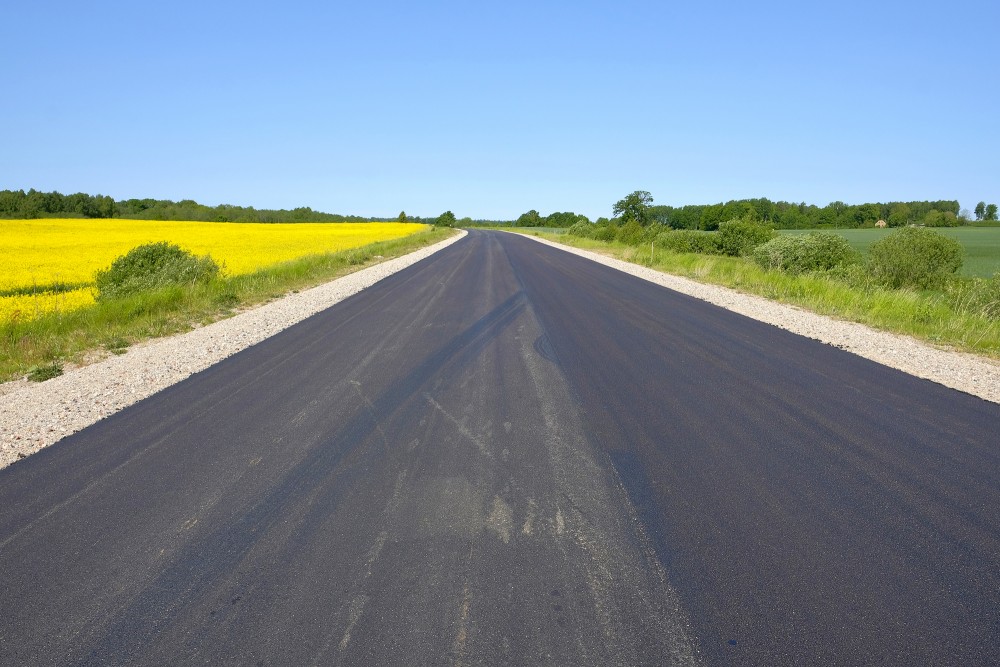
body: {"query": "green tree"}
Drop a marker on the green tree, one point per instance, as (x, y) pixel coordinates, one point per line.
(446, 219)
(711, 217)
(635, 207)
(899, 215)
(529, 219)
(980, 210)
(866, 214)
(401, 217)
(990, 213)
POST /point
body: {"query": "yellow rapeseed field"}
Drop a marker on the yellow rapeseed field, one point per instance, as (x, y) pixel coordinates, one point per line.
(36, 254)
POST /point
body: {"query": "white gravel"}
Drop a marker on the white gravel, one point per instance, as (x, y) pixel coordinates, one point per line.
(33, 416)
(970, 373)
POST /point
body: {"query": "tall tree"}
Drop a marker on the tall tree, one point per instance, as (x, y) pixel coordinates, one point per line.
(899, 215)
(980, 210)
(990, 213)
(635, 207)
(529, 219)
(446, 219)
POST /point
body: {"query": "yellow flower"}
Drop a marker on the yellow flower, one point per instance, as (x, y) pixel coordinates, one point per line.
(37, 255)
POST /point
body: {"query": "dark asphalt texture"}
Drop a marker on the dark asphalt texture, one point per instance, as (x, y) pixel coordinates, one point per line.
(507, 454)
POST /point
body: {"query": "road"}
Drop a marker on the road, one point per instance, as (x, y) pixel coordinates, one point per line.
(507, 454)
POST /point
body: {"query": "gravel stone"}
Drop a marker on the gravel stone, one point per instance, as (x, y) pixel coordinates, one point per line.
(33, 416)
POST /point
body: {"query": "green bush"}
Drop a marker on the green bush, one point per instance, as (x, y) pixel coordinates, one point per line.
(914, 257)
(606, 232)
(740, 237)
(152, 266)
(583, 229)
(817, 251)
(45, 372)
(631, 233)
(689, 240)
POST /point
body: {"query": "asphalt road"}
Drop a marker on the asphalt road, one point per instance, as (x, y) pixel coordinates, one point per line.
(507, 454)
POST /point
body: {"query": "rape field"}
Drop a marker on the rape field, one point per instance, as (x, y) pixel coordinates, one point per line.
(48, 265)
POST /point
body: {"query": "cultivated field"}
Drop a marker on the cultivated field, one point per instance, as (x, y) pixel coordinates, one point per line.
(982, 245)
(49, 264)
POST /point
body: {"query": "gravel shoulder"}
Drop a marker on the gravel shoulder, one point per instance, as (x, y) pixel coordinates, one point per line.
(965, 372)
(33, 416)
(36, 415)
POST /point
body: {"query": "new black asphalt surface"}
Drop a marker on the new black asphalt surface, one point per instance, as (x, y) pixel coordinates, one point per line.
(507, 454)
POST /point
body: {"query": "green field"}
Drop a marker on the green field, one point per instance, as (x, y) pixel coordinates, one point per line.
(982, 245)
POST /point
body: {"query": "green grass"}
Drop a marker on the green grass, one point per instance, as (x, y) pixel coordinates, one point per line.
(113, 326)
(923, 315)
(982, 245)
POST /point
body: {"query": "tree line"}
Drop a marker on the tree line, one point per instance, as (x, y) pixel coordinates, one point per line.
(639, 207)
(986, 212)
(35, 204)
(788, 215)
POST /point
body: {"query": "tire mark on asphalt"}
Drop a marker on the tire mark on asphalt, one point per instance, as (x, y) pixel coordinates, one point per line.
(216, 555)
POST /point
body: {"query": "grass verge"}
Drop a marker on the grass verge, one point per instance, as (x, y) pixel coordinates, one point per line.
(923, 315)
(112, 326)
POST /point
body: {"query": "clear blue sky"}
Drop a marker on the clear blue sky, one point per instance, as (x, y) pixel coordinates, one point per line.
(491, 109)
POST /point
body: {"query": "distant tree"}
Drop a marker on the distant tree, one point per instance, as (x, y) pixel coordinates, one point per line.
(936, 218)
(990, 213)
(866, 214)
(402, 216)
(635, 207)
(10, 202)
(899, 215)
(446, 219)
(980, 210)
(711, 217)
(465, 222)
(529, 219)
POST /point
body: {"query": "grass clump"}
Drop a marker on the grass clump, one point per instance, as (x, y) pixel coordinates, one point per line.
(976, 296)
(116, 345)
(151, 267)
(45, 372)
